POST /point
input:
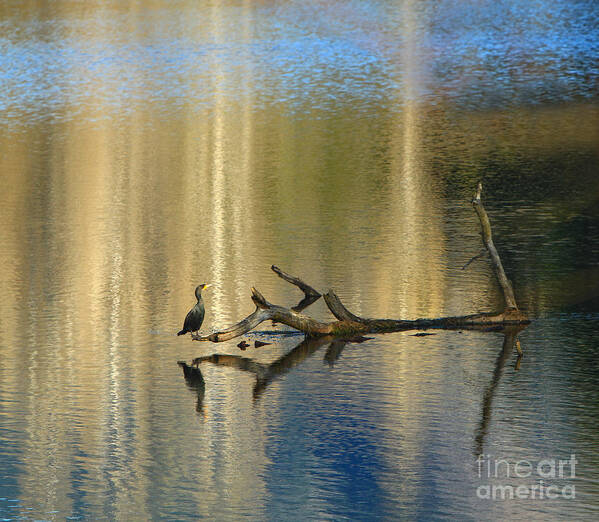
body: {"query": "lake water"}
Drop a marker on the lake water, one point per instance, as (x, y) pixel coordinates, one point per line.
(147, 147)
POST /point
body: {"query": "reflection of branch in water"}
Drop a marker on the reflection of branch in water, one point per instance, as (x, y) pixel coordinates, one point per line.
(233, 361)
(282, 365)
(310, 295)
(336, 347)
(305, 303)
(510, 341)
(334, 351)
(266, 373)
(195, 381)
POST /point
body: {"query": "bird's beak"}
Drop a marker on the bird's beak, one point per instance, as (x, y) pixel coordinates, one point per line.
(207, 285)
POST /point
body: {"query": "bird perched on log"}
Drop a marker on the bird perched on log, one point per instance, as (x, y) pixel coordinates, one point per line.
(195, 317)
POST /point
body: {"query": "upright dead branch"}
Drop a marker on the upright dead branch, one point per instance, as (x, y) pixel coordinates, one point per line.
(504, 282)
(348, 324)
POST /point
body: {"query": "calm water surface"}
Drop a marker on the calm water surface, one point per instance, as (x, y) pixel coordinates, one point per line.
(146, 147)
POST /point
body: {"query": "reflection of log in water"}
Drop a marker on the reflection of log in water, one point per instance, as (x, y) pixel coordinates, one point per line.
(336, 347)
(510, 341)
(334, 351)
(282, 365)
(266, 373)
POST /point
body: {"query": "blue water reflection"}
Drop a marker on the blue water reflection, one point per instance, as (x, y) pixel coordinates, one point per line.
(480, 55)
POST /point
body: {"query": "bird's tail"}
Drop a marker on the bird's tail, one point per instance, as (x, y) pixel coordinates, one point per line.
(182, 332)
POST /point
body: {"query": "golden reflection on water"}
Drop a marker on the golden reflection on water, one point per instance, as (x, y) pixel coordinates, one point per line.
(107, 230)
(418, 253)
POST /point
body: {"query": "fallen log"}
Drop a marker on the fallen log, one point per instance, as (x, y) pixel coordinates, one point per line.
(348, 324)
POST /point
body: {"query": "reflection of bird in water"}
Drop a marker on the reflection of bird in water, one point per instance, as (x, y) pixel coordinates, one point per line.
(195, 381)
(195, 317)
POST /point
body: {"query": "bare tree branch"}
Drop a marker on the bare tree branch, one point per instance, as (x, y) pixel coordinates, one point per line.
(477, 256)
(504, 282)
(304, 287)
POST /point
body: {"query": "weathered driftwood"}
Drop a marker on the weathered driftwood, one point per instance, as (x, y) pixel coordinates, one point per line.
(266, 311)
(348, 324)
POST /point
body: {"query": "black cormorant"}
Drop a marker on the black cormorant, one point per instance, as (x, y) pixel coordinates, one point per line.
(195, 317)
